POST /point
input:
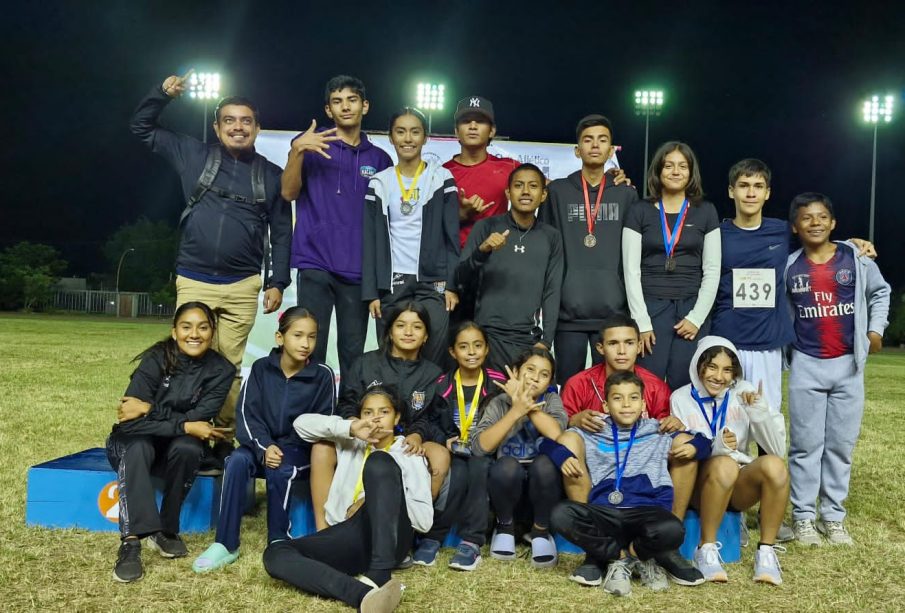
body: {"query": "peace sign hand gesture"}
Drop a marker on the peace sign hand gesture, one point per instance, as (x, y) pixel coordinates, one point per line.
(519, 391)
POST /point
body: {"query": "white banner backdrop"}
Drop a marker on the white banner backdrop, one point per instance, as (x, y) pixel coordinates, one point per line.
(557, 160)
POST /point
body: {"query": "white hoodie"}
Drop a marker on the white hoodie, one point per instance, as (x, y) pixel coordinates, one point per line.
(350, 457)
(750, 423)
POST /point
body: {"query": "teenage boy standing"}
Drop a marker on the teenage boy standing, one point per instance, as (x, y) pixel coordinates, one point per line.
(502, 263)
(587, 207)
(840, 303)
(327, 173)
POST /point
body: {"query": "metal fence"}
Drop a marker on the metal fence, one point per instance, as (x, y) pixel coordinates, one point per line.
(123, 304)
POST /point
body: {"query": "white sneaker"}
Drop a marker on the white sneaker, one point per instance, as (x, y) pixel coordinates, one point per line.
(652, 576)
(835, 532)
(618, 581)
(806, 533)
(766, 565)
(707, 560)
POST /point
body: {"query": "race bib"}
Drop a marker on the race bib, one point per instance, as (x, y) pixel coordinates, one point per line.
(753, 288)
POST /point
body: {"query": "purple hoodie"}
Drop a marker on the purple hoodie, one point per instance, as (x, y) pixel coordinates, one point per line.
(329, 209)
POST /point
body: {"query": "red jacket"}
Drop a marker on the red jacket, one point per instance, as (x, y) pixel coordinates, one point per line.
(579, 394)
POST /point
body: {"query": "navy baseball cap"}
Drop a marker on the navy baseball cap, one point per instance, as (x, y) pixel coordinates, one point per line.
(474, 105)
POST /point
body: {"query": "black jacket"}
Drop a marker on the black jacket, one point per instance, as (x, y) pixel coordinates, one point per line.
(195, 392)
(269, 402)
(592, 285)
(220, 237)
(414, 380)
(439, 249)
(516, 282)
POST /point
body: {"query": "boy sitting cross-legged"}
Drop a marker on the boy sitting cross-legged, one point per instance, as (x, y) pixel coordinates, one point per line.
(627, 521)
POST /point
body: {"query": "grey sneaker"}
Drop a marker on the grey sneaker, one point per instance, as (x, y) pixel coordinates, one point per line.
(652, 576)
(806, 533)
(766, 565)
(618, 581)
(707, 560)
(785, 533)
(745, 536)
(835, 532)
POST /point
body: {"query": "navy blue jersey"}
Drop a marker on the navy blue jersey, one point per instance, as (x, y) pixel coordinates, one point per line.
(753, 328)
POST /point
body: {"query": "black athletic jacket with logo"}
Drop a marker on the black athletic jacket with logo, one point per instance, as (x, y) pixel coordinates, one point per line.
(220, 237)
(518, 282)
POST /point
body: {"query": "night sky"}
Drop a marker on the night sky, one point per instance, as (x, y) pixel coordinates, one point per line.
(776, 81)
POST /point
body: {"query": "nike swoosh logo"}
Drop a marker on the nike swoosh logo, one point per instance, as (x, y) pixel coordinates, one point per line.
(772, 247)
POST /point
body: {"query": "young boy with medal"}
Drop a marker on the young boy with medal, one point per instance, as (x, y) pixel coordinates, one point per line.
(588, 209)
(627, 520)
(841, 304)
(410, 247)
(671, 261)
(513, 263)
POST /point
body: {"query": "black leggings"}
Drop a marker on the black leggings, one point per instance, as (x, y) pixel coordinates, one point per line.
(507, 481)
(377, 537)
(466, 505)
(603, 532)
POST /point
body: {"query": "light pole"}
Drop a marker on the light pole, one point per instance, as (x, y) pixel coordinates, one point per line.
(647, 102)
(430, 98)
(204, 86)
(875, 113)
(118, 269)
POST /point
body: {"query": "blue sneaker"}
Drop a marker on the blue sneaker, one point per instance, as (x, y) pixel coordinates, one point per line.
(426, 552)
(467, 556)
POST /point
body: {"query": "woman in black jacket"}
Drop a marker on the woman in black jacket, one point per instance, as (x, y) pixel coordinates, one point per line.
(163, 419)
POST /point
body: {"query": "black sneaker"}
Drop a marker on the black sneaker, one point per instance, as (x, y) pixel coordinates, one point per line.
(128, 562)
(587, 574)
(680, 570)
(168, 546)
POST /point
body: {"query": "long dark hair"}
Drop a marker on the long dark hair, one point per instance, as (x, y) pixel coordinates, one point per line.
(693, 191)
(168, 345)
(393, 314)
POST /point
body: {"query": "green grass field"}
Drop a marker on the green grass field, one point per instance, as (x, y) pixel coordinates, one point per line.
(59, 381)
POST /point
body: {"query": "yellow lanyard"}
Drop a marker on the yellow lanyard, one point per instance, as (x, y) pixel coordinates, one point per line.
(360, 486)
(465, 420)
(409, 194)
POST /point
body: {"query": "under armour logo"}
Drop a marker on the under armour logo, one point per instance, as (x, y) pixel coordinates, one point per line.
(518, 248)
(475, 102)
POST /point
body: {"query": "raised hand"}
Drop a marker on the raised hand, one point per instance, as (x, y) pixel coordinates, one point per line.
(494, 242)
(365, 430)
(729, 439)
(314, 141)
(174, 86)
(752, 398)
(472, 205)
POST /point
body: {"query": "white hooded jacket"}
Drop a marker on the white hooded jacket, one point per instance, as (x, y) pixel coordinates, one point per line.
(750, 423)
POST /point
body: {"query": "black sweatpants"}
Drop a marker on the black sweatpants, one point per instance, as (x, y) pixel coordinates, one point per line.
(505, 349)
(603, 532)
(406, 288)
(508, 479)
(672, 354)
(377, 537)
(467, 506)
(134, 458)
(320, 291)
(571, 350)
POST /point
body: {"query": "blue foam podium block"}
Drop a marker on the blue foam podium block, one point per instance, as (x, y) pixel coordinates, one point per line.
(81, 491)
(729, 534)
(301, 513)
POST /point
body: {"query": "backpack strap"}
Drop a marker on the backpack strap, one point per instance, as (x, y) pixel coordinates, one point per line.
(211, 168)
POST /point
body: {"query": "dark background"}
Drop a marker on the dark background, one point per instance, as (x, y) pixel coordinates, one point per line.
(779, 81)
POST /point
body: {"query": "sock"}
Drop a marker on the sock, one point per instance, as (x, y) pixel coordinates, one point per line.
(539, 532)
(506, 527)
(379, 577)
(762, 544)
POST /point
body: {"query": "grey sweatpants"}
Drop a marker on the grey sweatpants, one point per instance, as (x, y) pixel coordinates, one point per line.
(826, 403)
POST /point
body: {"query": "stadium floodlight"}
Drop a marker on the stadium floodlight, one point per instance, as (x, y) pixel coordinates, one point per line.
(648, 102)
(875, 113)
(431, 97)
(118, 269)
(204, 86)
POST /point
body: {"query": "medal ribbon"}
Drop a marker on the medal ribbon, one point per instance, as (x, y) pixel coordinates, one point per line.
(360, 486)
(408, 194)
(718, 420)
(620, 467)
(465, 420)
(590, 216)
(671, 237)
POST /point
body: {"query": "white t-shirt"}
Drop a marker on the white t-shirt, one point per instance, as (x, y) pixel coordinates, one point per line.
(405, 230)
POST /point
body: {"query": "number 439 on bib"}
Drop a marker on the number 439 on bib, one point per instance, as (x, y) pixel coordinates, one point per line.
(753, 288)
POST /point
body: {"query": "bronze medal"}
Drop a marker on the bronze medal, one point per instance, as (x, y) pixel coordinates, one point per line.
(670, 264)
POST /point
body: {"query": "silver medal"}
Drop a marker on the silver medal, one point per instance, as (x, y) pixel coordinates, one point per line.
(615, 497)
(407, 208)
(590, 240)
